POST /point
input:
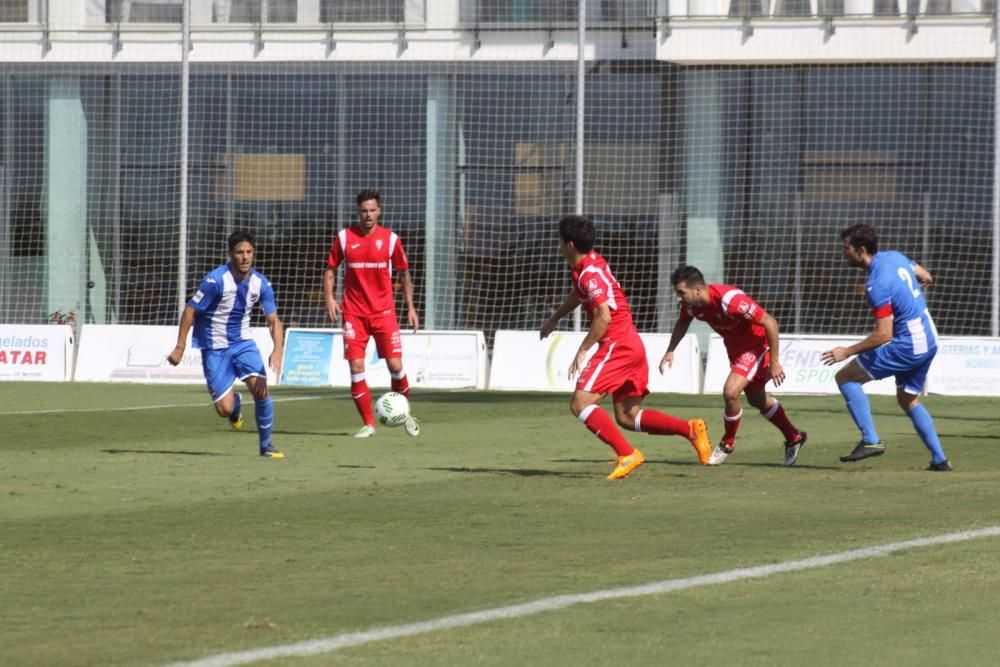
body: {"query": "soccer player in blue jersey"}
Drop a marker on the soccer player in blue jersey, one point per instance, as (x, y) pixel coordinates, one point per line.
(220, 311)
(903, 344)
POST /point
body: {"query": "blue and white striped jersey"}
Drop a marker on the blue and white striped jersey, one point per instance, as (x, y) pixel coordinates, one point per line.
(223, 307)
(893, 288)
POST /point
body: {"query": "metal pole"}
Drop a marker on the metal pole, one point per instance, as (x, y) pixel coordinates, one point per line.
(183, 222)
(995, 309)
(581, 77)
(797, 280)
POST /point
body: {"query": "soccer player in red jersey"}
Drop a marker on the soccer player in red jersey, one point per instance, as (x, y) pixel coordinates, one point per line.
(751, 339)
(619, 365)
(369, 253)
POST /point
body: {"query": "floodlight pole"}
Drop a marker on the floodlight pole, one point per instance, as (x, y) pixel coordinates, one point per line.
(995, 309)
(581, 77)
(182, 227)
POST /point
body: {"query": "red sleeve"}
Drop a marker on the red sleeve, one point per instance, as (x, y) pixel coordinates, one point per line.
(882, 311)
(743, 306)
(335, 257)
(595, 288)
(685, 315)
(399, 262)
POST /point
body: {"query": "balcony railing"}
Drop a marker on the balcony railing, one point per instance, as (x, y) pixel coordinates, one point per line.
(482, 14)
(820, 8)
(256, 11)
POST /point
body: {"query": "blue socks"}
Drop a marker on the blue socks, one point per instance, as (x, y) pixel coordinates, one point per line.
(264, 413)
(861, 410)
(924, 424)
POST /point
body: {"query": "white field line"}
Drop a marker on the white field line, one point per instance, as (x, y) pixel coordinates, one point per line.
(350, 639)
(206, 402)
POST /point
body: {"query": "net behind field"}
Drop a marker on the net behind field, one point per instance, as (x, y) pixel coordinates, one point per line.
(747, 172)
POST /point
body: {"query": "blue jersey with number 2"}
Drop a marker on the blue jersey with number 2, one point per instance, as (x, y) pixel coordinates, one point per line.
(892, 287)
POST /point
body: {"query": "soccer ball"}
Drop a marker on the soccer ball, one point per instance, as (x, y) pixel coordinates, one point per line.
(392, 409)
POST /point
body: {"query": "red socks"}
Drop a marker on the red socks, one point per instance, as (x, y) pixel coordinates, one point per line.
(362, 398)
(655, 422)
(732, 425)
(776, 415)
(603, 426)
(400, 384)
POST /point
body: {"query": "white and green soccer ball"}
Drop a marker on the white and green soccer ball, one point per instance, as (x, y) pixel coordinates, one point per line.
(391, 409)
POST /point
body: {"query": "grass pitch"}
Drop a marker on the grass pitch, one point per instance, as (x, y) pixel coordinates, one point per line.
(137, 529)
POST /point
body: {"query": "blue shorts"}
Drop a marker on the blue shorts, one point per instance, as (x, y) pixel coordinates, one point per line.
(223, 367)
(889, 359)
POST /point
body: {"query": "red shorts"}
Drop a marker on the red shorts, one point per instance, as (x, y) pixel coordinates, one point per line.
(383, 328)
(753, 364)
(618, 368)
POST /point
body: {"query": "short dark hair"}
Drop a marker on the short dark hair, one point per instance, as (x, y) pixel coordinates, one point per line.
(239, 236)
(861, 236)
(580, 230)
(369, 193)
(687, 274)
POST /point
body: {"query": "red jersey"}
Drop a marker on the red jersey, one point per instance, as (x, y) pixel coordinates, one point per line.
(595, 285)
(733, 315)
(370, 261)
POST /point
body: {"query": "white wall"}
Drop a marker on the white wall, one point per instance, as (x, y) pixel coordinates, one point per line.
(78, 34)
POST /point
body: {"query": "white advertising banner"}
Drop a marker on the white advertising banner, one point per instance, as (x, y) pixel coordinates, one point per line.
(36, 352)
(433, 359)
(133, 353)
(801, 356)
(966, 367)
(523, 362)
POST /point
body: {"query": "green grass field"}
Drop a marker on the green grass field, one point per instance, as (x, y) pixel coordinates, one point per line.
(156, 534)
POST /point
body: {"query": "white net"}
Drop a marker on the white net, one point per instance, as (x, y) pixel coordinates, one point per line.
(748, 172)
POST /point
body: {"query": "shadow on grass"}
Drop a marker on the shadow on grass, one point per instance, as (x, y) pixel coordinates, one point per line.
(803, 466)
(519, 472)
(609, 461)
(179, 452)
(695, 464)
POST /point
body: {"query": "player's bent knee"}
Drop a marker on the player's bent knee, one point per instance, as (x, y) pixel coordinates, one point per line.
(843, 376)
(731, 396)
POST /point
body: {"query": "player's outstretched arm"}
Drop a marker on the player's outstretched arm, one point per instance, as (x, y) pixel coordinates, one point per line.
(329, 284)
(277, 330)
(187, 321)
(877, 338)
(411, 311)
(569, 304)
(680, 330)
(773, 340)
(599, 323)
(923, 275)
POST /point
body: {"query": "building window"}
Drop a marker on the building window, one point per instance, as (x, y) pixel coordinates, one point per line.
(13, 11)
(375, 11)
(251, 11)
(144, 11)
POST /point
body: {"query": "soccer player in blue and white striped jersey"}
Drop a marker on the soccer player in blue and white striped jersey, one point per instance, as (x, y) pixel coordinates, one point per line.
(219, 312)
(903, 344)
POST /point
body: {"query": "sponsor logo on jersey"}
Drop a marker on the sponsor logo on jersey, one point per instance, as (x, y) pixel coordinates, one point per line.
(198, 296)
(748, 309)
(355, 245)
(368, 265)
